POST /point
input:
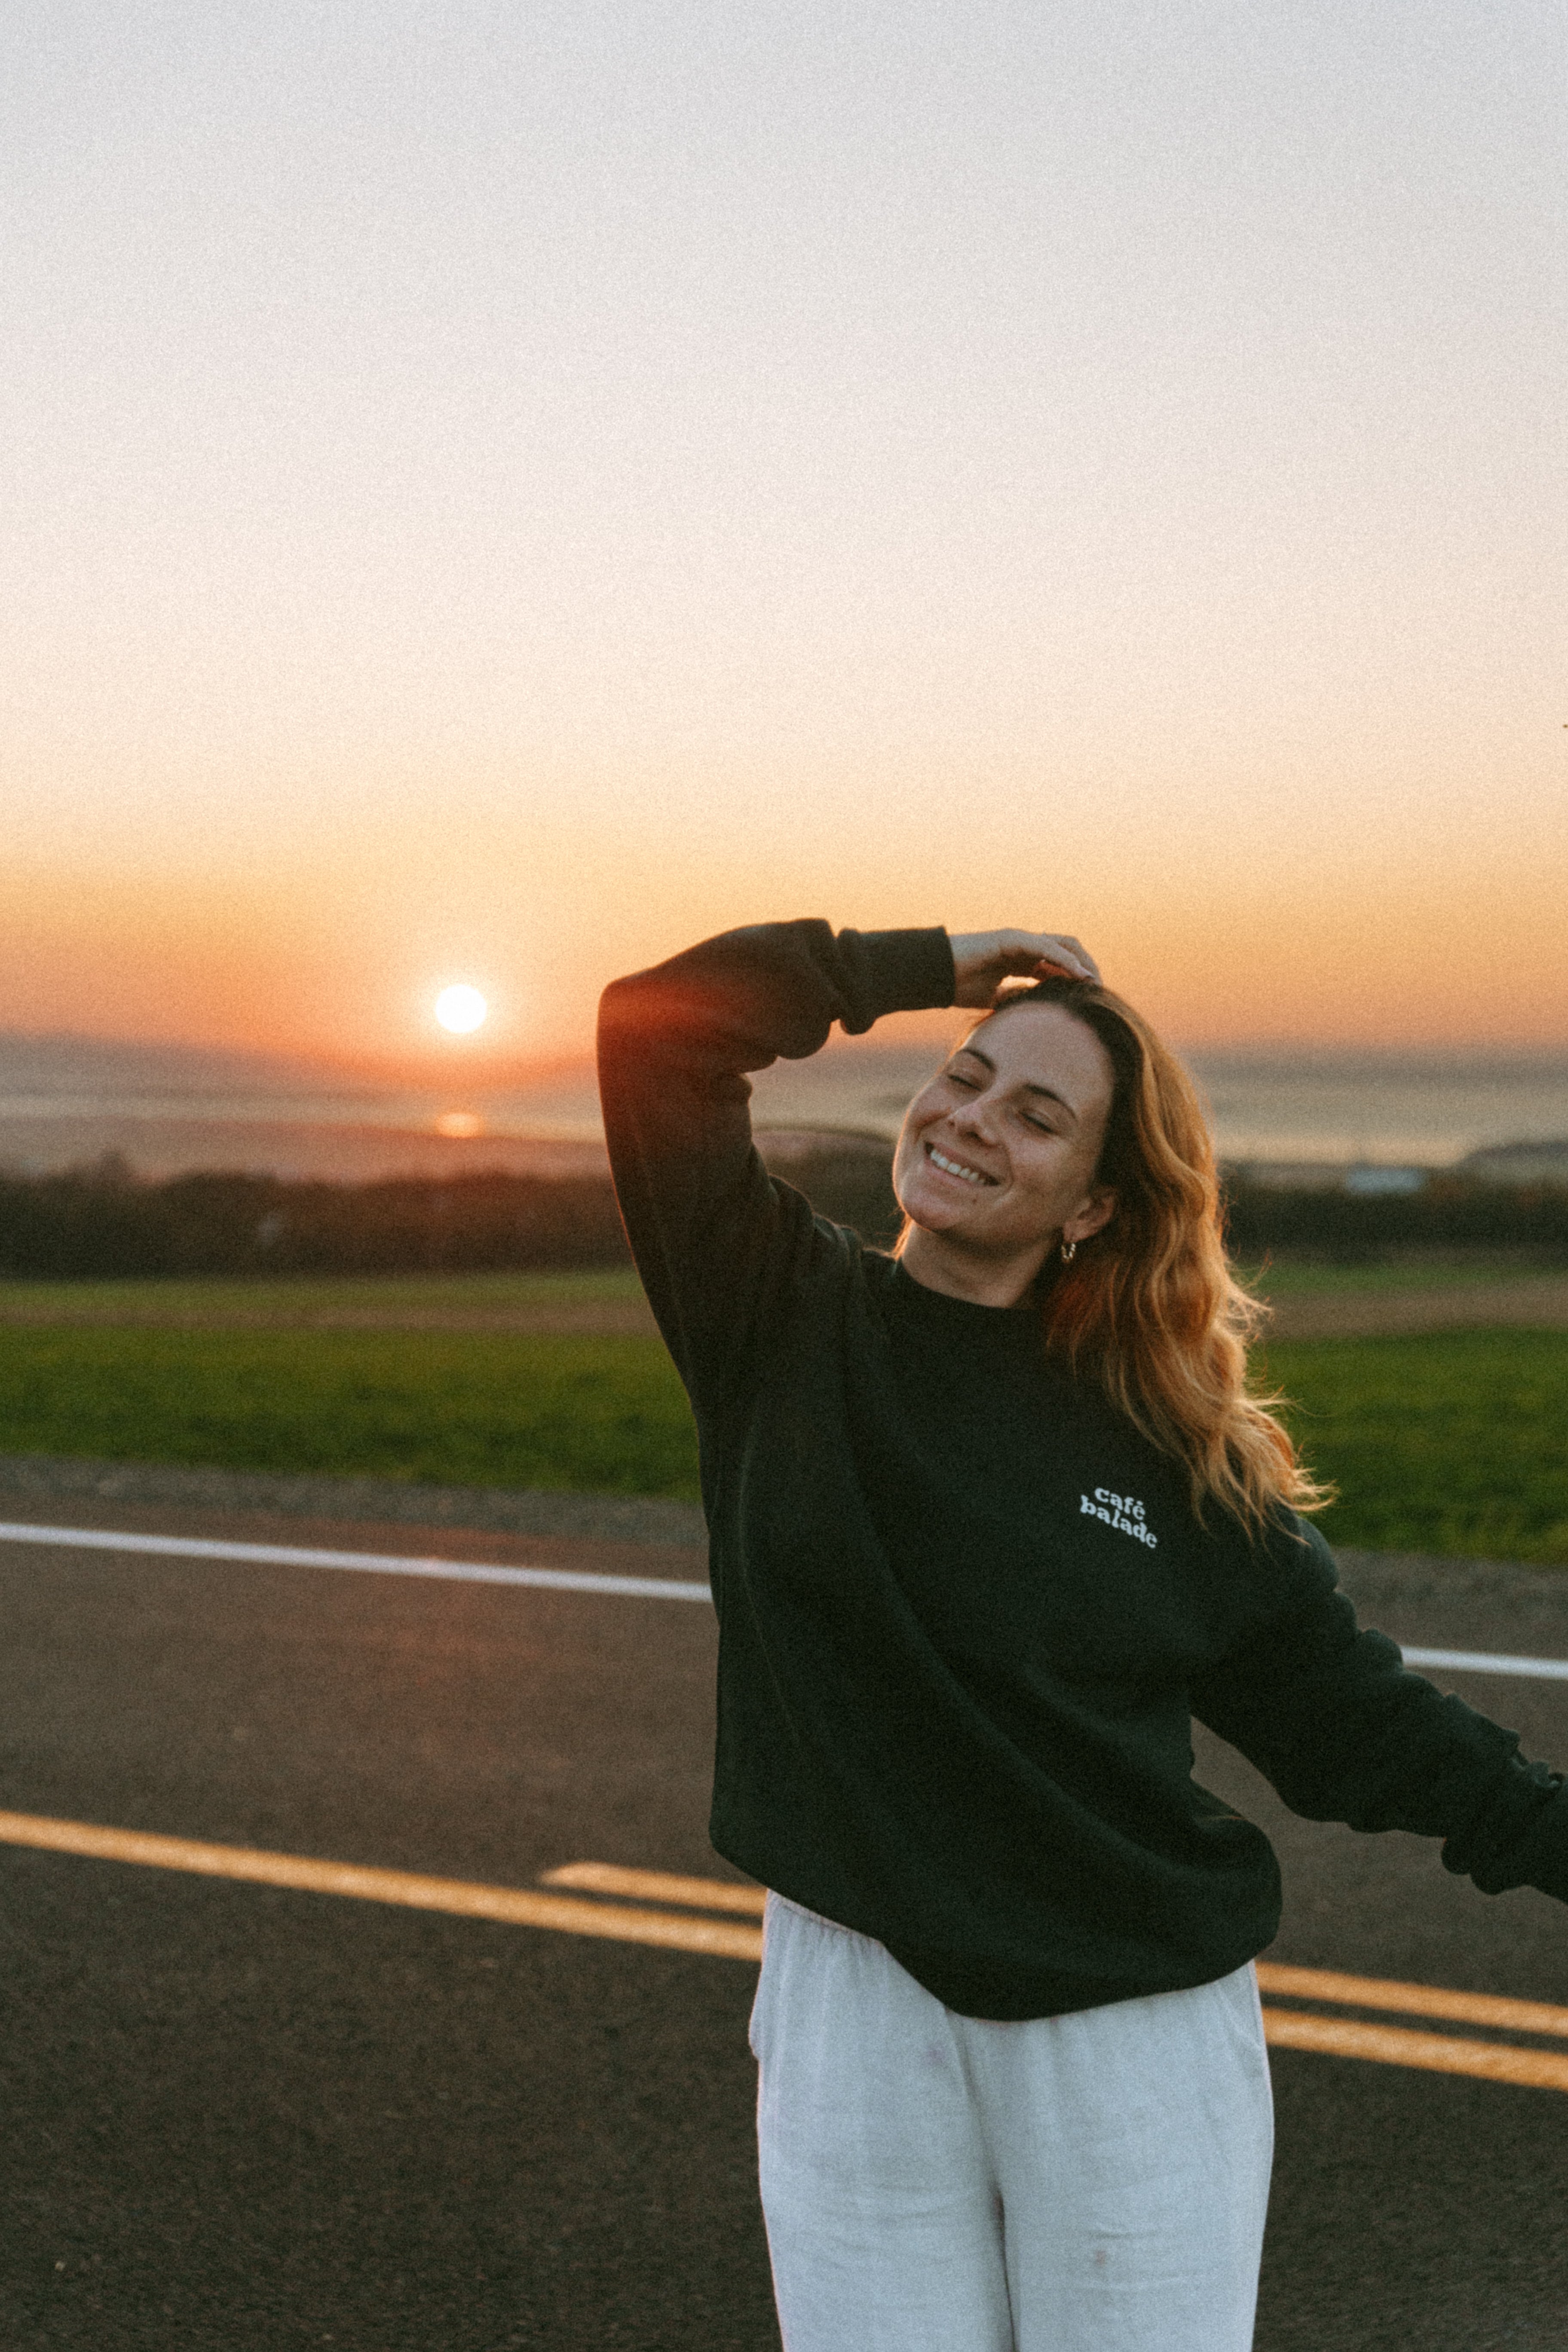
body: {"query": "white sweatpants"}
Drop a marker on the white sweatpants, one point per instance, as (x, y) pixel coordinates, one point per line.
(939, 2183)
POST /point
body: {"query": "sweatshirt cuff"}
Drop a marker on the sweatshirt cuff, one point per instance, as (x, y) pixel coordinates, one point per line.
(906, 971)
(1542, 1858)
(1519, 1838)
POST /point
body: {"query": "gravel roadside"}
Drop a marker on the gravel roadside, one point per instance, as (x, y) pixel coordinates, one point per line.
(47, 1481)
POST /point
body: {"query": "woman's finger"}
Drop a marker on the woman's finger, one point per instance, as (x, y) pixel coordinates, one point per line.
(1067, 955)
(983, 959)
(1083, 956)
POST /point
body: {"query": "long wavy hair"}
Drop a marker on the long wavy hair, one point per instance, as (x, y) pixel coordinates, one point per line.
(1148, 1309)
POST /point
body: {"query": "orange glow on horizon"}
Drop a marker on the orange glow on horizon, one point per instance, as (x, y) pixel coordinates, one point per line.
(285, 965)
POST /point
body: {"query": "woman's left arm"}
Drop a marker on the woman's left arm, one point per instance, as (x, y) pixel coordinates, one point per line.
(1328, 1712)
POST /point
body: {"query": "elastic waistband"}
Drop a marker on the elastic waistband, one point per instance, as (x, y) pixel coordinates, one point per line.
(817, 1918)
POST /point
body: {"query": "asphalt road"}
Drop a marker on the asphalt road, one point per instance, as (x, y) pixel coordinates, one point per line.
(243, 2117)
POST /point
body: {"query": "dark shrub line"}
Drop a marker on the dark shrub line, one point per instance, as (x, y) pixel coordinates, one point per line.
(1448, 1212)
(100, 1223)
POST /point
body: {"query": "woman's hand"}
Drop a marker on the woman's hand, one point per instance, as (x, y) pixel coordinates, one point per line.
(983, 960)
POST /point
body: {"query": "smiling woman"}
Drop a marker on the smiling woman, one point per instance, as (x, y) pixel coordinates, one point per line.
(991, 1521)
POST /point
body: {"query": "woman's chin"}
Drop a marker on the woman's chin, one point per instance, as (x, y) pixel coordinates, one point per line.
(928, 1207)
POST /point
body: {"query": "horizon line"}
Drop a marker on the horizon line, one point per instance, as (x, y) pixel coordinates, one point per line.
(478, 1070)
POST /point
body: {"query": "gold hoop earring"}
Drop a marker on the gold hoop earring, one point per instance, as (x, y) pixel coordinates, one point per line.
(1070, 1250)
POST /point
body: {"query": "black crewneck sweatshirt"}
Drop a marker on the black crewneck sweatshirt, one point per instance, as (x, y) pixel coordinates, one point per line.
(966, 1613)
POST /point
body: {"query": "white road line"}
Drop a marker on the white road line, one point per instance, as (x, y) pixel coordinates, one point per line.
(462, 1572)
(568, 1579)
(1482, 1661)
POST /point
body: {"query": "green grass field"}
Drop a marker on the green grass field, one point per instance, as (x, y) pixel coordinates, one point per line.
(1450, 1441)
(601, 1415)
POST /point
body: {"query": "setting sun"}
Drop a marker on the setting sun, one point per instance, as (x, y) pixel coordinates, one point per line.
(460, 1010)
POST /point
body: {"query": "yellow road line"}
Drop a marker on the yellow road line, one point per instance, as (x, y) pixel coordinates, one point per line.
(1438, 2053)
(658, 1887)
(1412, 1999)
(516, 1907)
(721, 1938)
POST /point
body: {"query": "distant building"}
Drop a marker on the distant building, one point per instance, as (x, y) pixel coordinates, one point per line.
(1496, 1163)
(1371, 1183)
(1362, 1178)
(1517, 1163)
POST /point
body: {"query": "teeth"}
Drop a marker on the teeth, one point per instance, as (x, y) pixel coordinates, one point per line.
(955, 1168)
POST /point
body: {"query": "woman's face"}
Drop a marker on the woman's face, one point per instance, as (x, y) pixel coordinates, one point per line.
(997, 1154)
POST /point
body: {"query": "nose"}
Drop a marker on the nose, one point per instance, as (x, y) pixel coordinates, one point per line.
(974, 1117)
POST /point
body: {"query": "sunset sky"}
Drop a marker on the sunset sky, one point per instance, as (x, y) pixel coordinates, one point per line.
(498, 491)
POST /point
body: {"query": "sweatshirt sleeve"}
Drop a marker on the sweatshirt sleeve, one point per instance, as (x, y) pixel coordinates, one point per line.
(1328, 1712)
(715, 1239)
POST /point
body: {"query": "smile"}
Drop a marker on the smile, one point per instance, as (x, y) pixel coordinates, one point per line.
(955, 1167)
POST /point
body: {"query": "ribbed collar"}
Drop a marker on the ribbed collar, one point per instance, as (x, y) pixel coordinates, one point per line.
(962, 1321)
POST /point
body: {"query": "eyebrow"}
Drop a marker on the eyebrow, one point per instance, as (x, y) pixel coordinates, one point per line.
(1029, 1087)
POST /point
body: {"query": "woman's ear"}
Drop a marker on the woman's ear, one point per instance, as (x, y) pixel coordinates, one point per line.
(1095, 1214)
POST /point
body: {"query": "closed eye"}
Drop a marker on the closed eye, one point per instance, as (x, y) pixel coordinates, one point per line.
(967, 1084)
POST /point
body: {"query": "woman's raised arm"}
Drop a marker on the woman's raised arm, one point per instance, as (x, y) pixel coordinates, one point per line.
(714, 1237)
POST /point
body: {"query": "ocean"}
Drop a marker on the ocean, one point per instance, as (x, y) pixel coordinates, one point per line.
(66, 1102)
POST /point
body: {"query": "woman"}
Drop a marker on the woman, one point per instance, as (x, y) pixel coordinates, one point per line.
(992, 1518)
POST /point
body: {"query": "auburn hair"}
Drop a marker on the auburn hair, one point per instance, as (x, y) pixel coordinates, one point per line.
(1150, 1309)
